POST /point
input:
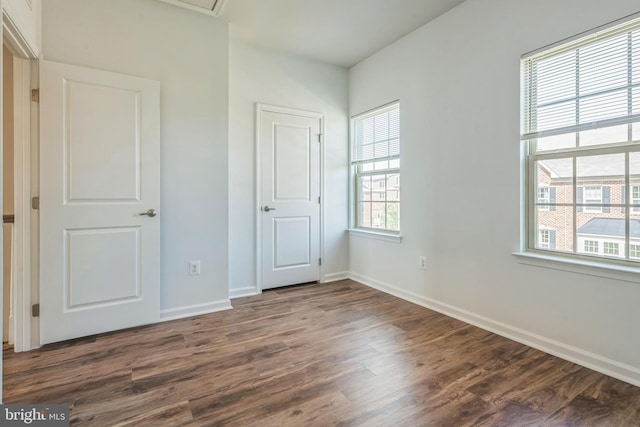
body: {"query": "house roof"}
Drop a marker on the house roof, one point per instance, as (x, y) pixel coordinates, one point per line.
(610, 227)
(592, 166)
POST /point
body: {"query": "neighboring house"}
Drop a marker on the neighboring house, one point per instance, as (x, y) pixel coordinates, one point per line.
(382, 188)
(599, 229)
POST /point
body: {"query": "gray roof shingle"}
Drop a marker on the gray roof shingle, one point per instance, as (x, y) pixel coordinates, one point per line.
(610, 227)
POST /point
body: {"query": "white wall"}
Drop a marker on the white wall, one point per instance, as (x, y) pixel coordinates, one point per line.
(265, 76)
(457, 79)
(188, 53)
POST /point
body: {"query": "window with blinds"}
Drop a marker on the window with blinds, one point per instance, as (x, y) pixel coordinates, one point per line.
(376, 166)
(581, 127)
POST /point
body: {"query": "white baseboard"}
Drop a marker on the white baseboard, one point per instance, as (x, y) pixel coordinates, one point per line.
(194, 310)
(248, 291)
(334, 277)
(613, 368)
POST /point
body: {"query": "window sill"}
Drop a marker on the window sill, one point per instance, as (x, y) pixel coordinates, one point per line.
(589, 268)
(388, 237)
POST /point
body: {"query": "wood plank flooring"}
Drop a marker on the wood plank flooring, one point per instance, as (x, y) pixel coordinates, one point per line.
(315, 355)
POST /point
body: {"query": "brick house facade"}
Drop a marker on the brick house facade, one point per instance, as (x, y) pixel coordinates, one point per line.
(599, 229)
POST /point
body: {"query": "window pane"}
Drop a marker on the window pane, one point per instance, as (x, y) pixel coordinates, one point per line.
(394, 164)
(599, 183)
(557, 115)
(364, 214)
(635, 67)
(393, 216)
(394, 147)
(364, 188)
(365, 152)
(382, 126)
(608, 58)
(605, 106)
(635, 131)
(554, 229)
(367, 131)
(394, 123)
(556, 78)
(365, 167)
(554, 183)
(382, 150)
(608, 135)
(634, 182)
(378, 188)
(381, 165)
(556, 142)
(378, 215)
(393, 187)
(601, 234)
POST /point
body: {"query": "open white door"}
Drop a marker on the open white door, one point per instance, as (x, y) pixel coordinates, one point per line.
(290, 197)
(100, 175)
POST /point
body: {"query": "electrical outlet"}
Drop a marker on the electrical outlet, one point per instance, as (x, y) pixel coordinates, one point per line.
(422, 262)
(194, 268)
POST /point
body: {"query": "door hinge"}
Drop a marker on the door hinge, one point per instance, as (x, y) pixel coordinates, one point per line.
(35, 310)
(35, 202)
(318, 199)
(320, 261)
(35, 95)
(319, 137)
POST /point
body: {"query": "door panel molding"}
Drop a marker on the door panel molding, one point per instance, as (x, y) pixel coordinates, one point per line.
(260, 110)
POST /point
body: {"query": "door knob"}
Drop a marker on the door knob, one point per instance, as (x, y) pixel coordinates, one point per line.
(267, 209)
(150, 213)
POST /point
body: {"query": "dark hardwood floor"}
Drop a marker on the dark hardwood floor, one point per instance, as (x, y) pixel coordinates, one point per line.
(315, 355)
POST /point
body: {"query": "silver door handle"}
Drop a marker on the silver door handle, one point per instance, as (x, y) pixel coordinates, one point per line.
(267, 209)
(150, 213)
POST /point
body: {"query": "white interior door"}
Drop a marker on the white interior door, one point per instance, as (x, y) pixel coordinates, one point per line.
(99, 170)
(290, 198)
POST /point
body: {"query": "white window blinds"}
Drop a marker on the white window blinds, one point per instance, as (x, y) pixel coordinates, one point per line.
(377, 135)
(590, 83)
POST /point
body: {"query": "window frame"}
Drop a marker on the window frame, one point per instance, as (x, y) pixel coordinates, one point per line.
(531, 157)
(389, 173)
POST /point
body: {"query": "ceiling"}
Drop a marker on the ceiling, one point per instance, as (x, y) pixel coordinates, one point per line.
(340, 32)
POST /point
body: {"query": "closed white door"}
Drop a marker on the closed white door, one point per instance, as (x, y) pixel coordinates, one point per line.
(290, 198)
(99, 201)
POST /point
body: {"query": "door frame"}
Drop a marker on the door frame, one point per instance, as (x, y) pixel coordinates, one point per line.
(24, 290)
(260, 110)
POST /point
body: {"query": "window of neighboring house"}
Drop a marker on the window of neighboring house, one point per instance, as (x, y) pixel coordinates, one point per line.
(635, 198)
(592, 195)
(544, 198)
(376, 168)
(546, 239)
(591, 246)
(634, 251)
(581, 127)
(611, 248)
